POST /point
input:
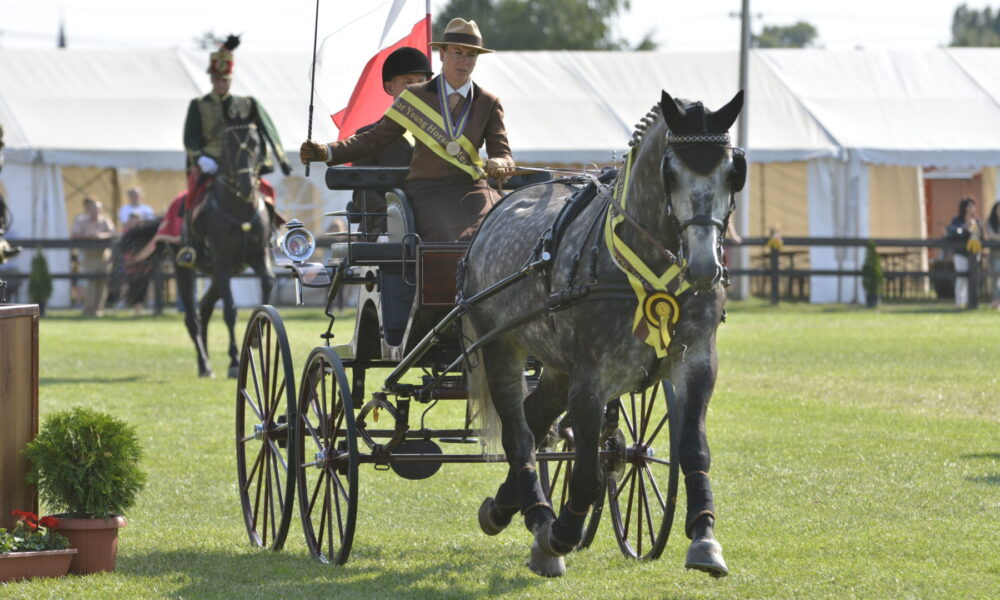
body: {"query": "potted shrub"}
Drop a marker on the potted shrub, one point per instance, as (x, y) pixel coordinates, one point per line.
(86, 466)
(872, 276)
(39, 281)
(29, 551)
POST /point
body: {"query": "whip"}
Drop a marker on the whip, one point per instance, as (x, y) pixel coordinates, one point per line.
(312, 79)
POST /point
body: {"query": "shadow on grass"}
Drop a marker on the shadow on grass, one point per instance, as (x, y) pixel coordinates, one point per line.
(66, 380)
(993, 479)
(992, 455)
(278, 575)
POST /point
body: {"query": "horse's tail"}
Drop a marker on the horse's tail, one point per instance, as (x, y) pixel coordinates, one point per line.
(126, 269)
(487, 419)
(136, 238)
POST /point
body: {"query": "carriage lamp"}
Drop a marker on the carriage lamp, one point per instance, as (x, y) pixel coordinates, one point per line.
(298, 243)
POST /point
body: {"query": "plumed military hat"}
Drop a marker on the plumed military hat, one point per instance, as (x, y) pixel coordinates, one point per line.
(404, 61)
(221, 61)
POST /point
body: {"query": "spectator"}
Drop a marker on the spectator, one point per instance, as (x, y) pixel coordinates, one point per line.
(992, 231)
(93, 224)
(964, 226)
(135, 211)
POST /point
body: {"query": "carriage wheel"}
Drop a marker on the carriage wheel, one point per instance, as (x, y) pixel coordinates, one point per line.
(265, 405)
(642, 483)
(555, 476)
(327, 458)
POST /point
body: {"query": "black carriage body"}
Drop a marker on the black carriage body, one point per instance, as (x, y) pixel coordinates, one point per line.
(406, 317)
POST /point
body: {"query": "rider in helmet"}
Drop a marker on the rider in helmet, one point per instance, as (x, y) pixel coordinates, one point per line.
(404, 67)
(451, 117)
(207, 118)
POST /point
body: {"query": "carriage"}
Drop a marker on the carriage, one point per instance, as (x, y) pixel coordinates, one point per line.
(520, 317)
(405, 322)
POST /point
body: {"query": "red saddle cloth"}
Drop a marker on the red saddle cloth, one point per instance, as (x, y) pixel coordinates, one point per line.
(173, 221)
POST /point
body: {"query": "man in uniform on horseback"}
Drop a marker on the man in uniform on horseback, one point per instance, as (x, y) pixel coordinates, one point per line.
(451, 117)
(406, 66)
(207, 118)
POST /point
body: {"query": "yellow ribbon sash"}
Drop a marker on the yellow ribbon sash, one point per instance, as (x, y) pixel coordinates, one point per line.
(427, 126)
(658, 311)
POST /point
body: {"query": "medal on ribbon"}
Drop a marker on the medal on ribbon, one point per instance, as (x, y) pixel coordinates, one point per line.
(452, 128)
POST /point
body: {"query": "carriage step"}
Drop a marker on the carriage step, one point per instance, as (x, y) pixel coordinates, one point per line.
(459, 440)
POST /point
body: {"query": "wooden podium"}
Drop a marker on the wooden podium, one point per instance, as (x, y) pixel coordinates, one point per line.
(18, 406)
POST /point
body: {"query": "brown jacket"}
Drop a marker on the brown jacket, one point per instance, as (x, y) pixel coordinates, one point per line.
(485, 125)
(397, 154)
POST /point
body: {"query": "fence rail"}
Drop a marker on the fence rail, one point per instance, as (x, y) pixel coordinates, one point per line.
(769, 277)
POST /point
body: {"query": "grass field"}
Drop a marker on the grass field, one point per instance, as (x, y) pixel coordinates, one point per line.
(856, 454)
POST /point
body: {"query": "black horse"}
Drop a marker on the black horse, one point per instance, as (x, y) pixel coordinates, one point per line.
(644, 264)
(230, 231)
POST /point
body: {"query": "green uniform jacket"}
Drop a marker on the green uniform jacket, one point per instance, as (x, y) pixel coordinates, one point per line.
(207, 118)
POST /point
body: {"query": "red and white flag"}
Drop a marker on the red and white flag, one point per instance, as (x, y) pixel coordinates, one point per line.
(349, 63)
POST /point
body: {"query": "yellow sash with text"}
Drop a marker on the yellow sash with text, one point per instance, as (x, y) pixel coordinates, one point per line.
(658, 311)
(427, 125)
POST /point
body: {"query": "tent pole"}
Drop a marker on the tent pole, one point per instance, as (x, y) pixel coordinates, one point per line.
(740, 289)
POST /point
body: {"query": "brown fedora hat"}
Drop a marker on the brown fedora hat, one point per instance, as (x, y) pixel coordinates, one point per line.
(460, 32)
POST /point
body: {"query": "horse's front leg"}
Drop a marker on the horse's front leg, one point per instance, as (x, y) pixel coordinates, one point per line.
(522, 489)
(586, 409)
(223, 281)
(694, 381)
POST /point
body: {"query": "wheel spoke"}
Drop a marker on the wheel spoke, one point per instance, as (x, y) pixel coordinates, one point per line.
(252, 368)
(628, 506)
(253, 471)
(647, 412)
(621, 486)
(656, 487)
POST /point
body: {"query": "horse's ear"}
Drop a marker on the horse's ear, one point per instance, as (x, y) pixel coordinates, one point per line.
(722, 119)
(672, 113)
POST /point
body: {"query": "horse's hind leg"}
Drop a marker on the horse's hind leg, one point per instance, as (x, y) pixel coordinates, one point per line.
(546, 402)
(263, 271)
(505, 377)
(205, 309)
(222, 281)
(185, 291)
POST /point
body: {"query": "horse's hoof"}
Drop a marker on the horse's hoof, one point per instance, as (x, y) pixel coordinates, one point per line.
(543, 563)
(206, 374)
(706, 555)
(234, 371)
(486, 522)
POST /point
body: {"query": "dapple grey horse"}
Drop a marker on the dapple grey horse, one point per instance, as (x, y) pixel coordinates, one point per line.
(680, 196)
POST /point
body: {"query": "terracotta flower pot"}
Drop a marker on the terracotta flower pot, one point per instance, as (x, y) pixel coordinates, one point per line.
(97, 541)
(28, 565)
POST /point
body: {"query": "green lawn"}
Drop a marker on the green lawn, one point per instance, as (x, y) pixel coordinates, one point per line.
(856, 454)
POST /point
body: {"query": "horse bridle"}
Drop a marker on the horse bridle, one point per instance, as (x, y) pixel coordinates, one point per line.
(675, 142)
(233, 161)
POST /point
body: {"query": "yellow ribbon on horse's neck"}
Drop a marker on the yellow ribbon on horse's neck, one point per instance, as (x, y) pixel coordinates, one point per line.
(657, 309)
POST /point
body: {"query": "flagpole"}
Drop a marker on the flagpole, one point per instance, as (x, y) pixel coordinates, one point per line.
(429, 32)
(312, 78)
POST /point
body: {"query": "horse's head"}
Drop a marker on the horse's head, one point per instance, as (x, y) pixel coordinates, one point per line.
(701, 171)
(241, 149)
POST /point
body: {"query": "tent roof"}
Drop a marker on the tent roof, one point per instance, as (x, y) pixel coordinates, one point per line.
(914, 107)
(935, 107)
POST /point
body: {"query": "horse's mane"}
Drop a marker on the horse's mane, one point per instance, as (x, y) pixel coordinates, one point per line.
(642, 127)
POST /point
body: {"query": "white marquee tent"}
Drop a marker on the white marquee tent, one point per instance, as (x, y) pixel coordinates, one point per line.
(825, 127)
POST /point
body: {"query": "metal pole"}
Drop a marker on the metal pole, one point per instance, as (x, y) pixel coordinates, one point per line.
(741, 254)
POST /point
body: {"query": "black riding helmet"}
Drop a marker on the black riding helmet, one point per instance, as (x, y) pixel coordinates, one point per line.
(404, 61)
